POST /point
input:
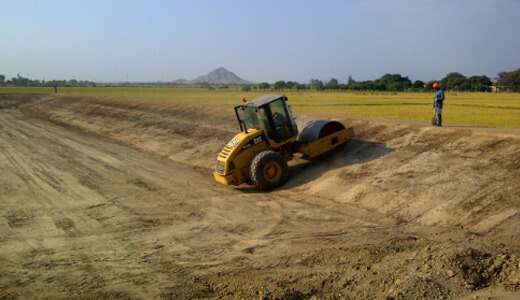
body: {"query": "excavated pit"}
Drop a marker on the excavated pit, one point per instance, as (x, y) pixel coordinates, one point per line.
(114, 198)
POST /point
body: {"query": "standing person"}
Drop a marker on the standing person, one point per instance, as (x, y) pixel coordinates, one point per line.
(437, 102)
(55, 88)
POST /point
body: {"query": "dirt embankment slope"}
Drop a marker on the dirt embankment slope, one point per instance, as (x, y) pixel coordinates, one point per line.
(406, 211)
(431, 176)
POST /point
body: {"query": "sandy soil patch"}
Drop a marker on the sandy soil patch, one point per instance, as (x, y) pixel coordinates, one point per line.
(114, 198)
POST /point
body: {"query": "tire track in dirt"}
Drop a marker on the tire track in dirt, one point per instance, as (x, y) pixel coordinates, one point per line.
(103, 212)
(405, 172)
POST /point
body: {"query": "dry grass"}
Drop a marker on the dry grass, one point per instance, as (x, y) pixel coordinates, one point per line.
(478, 109)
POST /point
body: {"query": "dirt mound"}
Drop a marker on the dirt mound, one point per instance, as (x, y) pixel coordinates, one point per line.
(431, 176)
(185, 133)
(403, 268)
(15, 100)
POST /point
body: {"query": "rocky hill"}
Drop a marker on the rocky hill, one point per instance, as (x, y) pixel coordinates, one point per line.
(218, 76)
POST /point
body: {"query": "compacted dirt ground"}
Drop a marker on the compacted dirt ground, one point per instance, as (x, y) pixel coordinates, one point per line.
(114, 198)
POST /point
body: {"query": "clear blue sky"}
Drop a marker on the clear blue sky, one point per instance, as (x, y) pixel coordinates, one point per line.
(258, 40)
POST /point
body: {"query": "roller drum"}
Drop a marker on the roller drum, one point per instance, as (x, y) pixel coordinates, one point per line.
(311, 130)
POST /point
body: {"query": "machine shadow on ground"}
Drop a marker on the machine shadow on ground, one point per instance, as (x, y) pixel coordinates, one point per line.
(302, 171)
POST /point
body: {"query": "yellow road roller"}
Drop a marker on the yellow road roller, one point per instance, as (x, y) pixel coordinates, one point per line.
(270, 137)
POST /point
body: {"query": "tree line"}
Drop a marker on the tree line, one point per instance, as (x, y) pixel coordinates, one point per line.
(389, 82)
(509, 80)
(22, 81)
(454, 81)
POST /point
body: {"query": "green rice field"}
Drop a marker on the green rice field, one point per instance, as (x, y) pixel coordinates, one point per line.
(464, 108)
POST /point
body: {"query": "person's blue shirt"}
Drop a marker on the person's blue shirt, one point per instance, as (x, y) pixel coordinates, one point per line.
(439, 96)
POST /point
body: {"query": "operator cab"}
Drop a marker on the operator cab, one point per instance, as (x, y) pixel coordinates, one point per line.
(269, 113)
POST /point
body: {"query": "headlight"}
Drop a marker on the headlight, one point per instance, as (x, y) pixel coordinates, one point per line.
(220, 166)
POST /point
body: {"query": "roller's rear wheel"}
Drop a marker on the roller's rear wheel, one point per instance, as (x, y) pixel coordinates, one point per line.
(268, 170)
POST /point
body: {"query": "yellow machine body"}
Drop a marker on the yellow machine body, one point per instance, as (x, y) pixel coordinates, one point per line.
(269, 139)
(234, 159)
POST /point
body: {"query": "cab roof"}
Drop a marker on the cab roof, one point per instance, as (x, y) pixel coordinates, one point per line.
(260, 101)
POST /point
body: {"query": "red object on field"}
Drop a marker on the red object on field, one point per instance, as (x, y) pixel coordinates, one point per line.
(244, 99)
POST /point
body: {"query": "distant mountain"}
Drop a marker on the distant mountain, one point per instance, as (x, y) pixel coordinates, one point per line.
(220, 76)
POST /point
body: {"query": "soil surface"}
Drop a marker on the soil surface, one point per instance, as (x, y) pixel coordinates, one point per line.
(114, 198)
